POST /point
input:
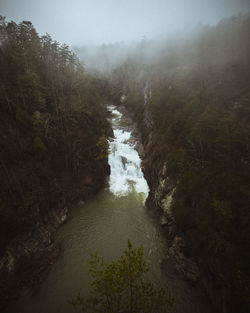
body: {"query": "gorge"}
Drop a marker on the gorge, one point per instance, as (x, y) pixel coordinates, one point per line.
(154, 149)
(104, 223)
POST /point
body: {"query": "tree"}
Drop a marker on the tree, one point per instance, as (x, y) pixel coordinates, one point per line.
(52, 128)
(119, 286)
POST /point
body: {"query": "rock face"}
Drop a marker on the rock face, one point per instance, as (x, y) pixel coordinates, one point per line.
(187, 267)
(197, 271)
(28, 257)
(159, 201)
(162, 190)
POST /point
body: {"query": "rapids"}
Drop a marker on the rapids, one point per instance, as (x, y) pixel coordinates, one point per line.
(124, 161)
(104, 224)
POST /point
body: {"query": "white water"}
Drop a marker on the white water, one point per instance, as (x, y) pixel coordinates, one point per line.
(125, 164)
(104, 224)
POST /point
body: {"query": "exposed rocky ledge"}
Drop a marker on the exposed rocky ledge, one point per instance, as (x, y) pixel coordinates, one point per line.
(162, 189)
(28, 257)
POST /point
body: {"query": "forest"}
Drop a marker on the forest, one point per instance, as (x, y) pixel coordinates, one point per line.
(190, 99)
(191, 102)
(53, 129)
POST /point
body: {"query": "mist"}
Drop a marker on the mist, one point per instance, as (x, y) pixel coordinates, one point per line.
(85, 22)
(104, 103)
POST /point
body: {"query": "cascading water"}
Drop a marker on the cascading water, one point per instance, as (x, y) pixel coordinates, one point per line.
(125, 164)
(104, 224)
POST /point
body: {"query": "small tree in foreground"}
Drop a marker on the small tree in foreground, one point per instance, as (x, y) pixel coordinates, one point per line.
(119, 286)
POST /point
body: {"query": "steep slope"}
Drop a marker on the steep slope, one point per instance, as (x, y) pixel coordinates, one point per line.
(192, 108)
(53, 148)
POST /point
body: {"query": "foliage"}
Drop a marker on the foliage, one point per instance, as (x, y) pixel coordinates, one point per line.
(119, 286)
(52, 119)
(103, 147)
(196, 120)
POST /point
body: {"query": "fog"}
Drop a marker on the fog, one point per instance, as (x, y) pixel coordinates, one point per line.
(105, 33)
(81, 22)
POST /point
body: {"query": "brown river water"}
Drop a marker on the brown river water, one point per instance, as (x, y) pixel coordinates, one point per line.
(104, 224)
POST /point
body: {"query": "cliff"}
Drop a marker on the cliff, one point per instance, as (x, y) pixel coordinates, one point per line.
(53, 148)
(27, 258)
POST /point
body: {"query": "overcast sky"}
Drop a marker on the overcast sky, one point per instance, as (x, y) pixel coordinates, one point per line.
(78, 22)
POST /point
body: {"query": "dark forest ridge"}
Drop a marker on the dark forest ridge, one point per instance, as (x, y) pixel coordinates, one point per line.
(190, 99)
(192, 105)
(53, 148)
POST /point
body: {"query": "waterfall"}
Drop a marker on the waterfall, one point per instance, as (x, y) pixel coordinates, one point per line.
(125, 164)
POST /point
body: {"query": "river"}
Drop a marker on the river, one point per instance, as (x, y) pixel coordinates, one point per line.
(104, 224)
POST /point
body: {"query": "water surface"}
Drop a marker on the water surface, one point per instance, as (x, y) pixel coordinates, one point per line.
(104, 224)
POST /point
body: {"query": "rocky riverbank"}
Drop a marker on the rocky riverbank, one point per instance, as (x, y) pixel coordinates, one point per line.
(197, 272)
(28, 257)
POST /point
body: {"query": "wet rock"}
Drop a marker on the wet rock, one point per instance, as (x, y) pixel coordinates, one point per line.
(123, 99)
(139, 147)
(185, 266)
(10, 262)
(124, 161)
(164, 220)
(29, 255)
(64, 215)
